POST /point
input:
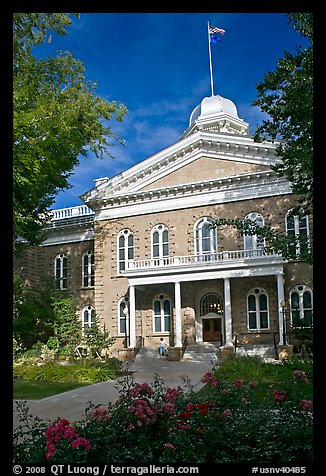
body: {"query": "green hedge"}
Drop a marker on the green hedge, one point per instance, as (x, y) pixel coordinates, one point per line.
(81, 372)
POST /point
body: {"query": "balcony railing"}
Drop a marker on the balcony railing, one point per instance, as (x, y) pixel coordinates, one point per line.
(71, 212)
(223, 257)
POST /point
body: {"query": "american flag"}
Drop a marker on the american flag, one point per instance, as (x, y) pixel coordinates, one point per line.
(213, 29)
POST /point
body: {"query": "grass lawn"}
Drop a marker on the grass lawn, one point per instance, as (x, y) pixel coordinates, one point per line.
(37, 389)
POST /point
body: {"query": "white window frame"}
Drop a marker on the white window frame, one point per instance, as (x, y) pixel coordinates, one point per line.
(198, 235)
(127, 249)
(161, 298)
(257, 292)
(300, 289)
(297, 228)
(123, 316)
(252, 242)
(89, 275)
(61, 280)
(90, 310)
(161, 258)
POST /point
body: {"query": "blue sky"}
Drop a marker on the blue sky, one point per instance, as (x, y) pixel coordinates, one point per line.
(157, 65)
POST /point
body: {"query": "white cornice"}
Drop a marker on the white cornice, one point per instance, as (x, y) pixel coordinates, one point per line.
(198, 144)
(240, 272)
(209, 192)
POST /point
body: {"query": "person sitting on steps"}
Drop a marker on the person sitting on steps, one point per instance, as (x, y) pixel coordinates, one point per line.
(163, 347)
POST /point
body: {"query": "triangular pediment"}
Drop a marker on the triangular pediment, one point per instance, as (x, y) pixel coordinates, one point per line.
(203, 156)
(204, 168)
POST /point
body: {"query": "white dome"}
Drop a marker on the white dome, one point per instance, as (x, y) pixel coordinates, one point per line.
(211, 106)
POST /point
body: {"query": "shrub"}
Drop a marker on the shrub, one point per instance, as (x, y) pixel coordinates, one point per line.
(91, 371)
(227, 422)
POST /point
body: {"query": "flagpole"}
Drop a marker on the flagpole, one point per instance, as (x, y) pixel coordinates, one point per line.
(210, 59)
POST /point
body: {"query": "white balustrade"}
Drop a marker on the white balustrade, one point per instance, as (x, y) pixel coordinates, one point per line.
(71, 212)
(222, 257)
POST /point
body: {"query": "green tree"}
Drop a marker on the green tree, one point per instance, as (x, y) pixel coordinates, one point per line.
(32, 314)
(66, 326)
(97, 337)
(286, 95)
(41, 312)
(57, 118)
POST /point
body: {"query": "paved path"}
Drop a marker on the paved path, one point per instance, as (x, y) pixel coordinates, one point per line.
(72, 404)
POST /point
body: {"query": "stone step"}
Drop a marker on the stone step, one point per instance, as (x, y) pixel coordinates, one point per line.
(202, 352)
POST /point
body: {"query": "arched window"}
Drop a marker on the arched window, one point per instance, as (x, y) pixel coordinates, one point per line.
(205, 239)
(123, 314)
(211, 303)
(254, 242)
(162, 313)
(257, 309)
(297, 229)
(125, 248)
(61, 271)
(160, 244)
(88, 269)
(88, 317)
(301, 306)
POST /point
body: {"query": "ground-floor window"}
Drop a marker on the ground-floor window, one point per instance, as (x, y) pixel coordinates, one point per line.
(162, 313)
(301, 306)
(88, 317)
(257, 309)
(123, 316)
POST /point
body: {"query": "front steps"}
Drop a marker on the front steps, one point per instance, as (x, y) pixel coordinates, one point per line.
(202, 352)
(210, 352)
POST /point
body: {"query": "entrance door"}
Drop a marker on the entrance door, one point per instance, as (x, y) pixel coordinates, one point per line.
(212, 329)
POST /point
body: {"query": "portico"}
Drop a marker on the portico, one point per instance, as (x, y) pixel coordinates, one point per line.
(182, 270)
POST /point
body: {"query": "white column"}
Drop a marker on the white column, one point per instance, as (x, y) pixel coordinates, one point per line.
(132, 316)
(280, 298)
(177, 300)
(227, 312)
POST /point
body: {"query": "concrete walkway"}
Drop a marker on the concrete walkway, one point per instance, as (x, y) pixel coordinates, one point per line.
(72, 404)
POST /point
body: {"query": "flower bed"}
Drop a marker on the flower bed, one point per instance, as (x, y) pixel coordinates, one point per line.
(151, 423)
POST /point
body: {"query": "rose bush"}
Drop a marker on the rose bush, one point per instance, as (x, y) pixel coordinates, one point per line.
(225, 422)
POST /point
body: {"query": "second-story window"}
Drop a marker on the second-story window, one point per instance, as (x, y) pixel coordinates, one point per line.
(297, 230)
(205, 238)
(125, 248)
(160, 244)
(61, 271)
(254, 242)
(88, 269)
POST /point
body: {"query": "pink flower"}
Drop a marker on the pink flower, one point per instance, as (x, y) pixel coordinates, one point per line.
(209, 378)
(252, 384)
(306, 405)
(238, 383)
(172, 393)
(227, 412)
(169, 408)
(169, 446)
(300, 374)
(101, 414)
(279, 395)
(79, 441)
(63, 429)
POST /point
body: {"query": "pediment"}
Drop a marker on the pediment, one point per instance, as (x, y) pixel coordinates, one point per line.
(202, 169)
(203, 156)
